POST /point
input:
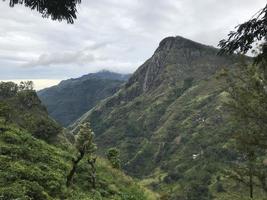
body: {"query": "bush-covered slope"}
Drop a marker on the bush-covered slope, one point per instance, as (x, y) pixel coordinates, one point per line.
(32, 169)
(36, 157)
(71, 98)
(169, 123)
(171, 97)
(23, 107)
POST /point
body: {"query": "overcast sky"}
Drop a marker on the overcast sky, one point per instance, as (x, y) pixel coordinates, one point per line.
(118, 35)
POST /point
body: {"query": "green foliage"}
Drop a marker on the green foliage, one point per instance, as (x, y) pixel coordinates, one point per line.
(30, 168)
(33, 169)
(246, 35)
(196, 191)
(5, 111)
(20, 105)
(84, 141)
(169, 122)
(85, 146)
(45, 129)
(8, 89)
(26, 85)
(57, 10)
(248, 109)
(113, 155)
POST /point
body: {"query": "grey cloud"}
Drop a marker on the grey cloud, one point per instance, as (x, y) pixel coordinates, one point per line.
(111, 34)
(64, 58)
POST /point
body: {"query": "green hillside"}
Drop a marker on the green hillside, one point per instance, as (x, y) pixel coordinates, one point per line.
(169, 122)
(32, 169)
(36, 157)
(71, 98)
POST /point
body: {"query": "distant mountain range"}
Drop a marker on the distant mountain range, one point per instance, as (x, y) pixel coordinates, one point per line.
(71, 98)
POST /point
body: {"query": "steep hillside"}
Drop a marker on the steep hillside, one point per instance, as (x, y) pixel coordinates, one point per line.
(168, 120)
(36, 157)
(71, 98)
(32, 169)
(24, 108)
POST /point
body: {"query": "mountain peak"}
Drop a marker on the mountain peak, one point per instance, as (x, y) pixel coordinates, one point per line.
(179, 42)
(176, 59)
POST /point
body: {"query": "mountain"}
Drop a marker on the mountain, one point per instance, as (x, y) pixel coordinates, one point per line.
(73, 97)
(33, 169)
(36, 156)
(168, 120)
(24, 108)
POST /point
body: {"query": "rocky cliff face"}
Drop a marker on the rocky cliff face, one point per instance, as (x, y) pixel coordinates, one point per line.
(175, 60)
(169, 110)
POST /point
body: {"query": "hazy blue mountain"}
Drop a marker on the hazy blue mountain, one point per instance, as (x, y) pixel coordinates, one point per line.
(71, 98)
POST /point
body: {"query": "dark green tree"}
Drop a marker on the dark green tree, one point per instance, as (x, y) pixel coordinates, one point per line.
(248, 101)
(92, 171)
(5, 112)
(242, 39)
(248, 108)
(85, 146)
(113, 155)
(56, 9)
(8, 89)
(196, 191)
(26, 85)
(45, 129)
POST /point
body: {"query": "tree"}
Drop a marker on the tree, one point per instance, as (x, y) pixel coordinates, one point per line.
(248, 109)
(85, 146)
(92, 161)
(5, 111)
(113, 155)
(56, 9)
(248, 102)
(45, 129)
(8, 89)
(246, 34)
(26, 85)
(196, 191)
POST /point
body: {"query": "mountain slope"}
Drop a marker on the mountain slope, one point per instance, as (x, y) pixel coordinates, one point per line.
(36, 157)
(32, 169)
(168, 119)
(24, 108)
(71, 98)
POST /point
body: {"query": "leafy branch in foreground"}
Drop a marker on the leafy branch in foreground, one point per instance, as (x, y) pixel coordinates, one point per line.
(246, 34)
(56, 9)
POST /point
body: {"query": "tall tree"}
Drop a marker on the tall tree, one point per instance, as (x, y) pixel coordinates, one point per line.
(113, 155)
(26, 85)
(8, 89)
(248, 108)
(56, 9)
(85, 146)
(251, 35)
(248, 101)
